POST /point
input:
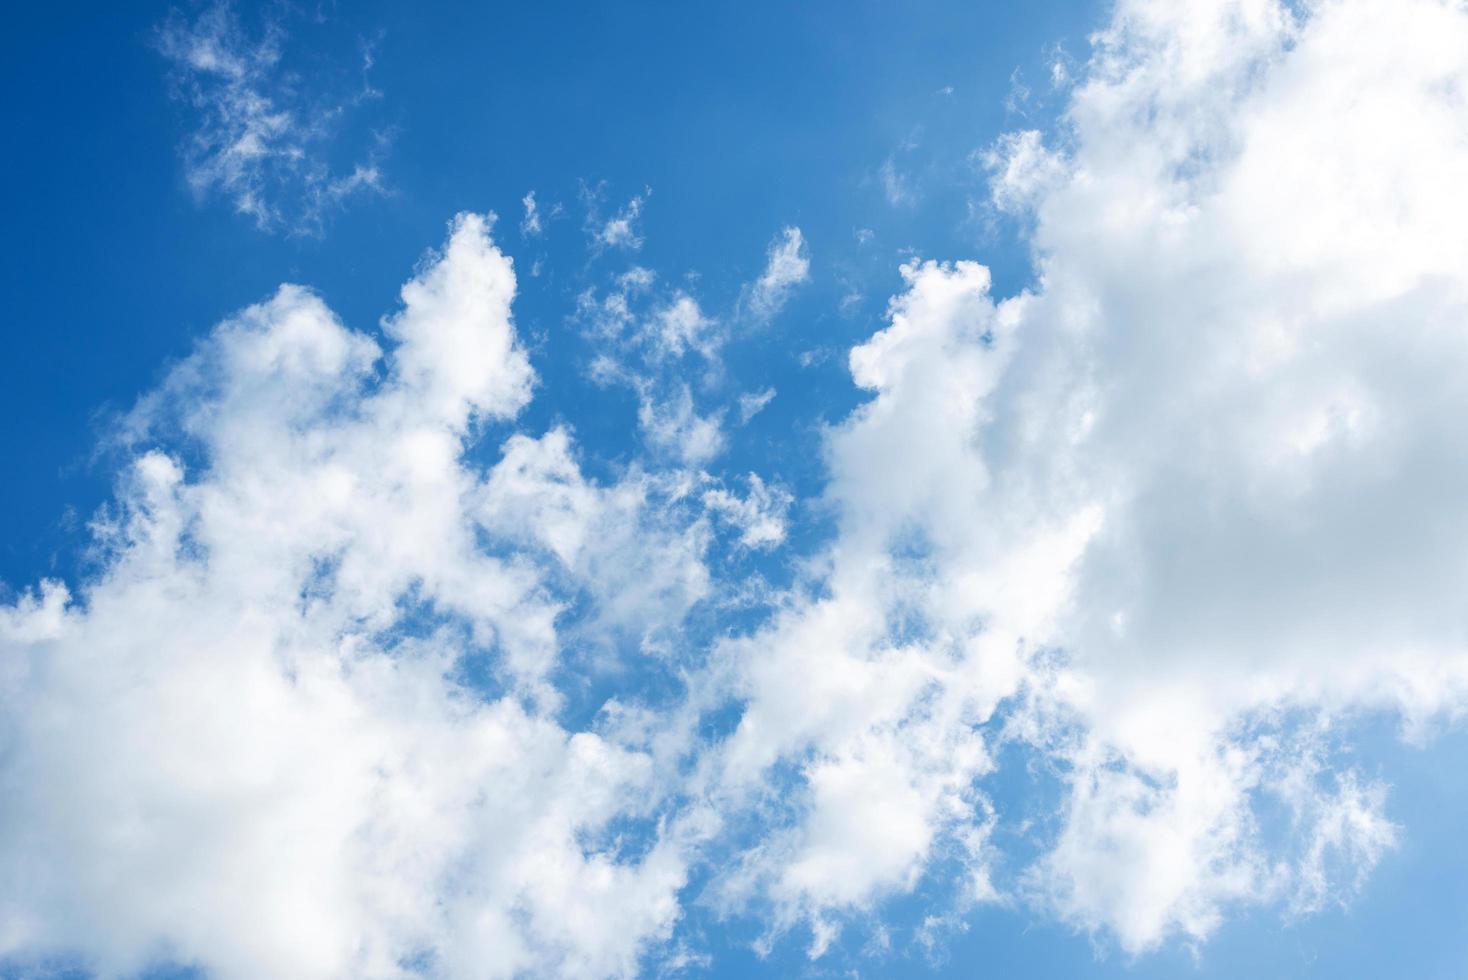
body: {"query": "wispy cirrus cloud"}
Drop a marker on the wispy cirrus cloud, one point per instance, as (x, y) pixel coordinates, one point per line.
(263, 134)
(787, 265)
(622, 229)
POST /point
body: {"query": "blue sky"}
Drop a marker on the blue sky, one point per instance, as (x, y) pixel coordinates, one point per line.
(734, 124)
(780, 489)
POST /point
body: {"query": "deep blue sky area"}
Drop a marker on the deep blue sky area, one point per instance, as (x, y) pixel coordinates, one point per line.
(740, 118)
(734, 120)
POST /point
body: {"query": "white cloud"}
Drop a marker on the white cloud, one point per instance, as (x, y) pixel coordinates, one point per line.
(257, 139)
(621, 230)
(1022, 170)
(1192, 474)
(644, 335)
(681, 326)
(250, 715)
(1254, 375)
(759, 516)
(787, 266)
(886, 730)
(610, 317)
(531, 225)
(1312, 334)
(643, 341)
(754, 402)
(672, 424)
(1167, 521)
(631, 320)
(626, 544)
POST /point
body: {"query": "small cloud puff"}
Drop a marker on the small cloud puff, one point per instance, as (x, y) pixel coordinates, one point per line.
(621, 229)
(787, 266)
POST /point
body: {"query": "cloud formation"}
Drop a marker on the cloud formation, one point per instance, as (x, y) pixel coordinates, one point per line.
(256, 138)
(532, 225)
(1165, 524)
(622, 230)
(1167, 518)
(787, 265)
(258, 713)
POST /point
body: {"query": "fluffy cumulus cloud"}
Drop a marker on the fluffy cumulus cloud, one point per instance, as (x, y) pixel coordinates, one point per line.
(258, 712)
(1165, 524)
(1241, 359)
(254, 138)
(1172, 512)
